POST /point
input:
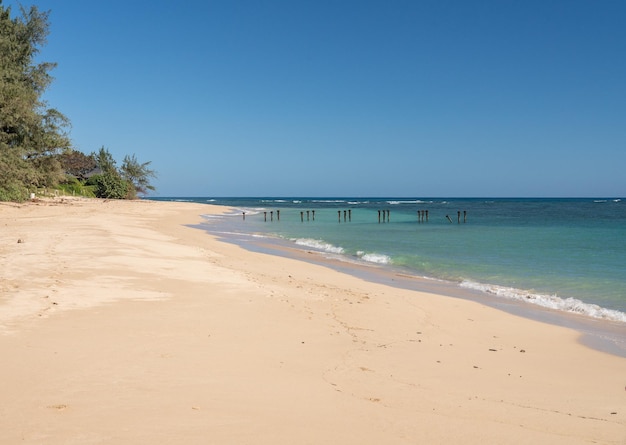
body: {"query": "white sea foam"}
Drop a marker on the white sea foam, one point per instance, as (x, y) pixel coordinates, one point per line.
(374, 257)
(239, 211)
(318, 245)
(329, 200)
(549, 301)
(417, 201)
(206, 216)
(238, 234)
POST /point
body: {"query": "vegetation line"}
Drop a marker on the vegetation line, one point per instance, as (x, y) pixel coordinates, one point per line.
(35, 148)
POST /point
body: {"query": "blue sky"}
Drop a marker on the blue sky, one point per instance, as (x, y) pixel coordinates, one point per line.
(349, 98)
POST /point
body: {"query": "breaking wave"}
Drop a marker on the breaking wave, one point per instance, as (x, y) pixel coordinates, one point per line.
(571, 305)
(374, 257)
(318, 245)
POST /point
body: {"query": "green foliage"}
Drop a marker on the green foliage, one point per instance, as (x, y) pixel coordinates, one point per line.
(77, 164)
(126, 182)
(31, 134)
(13, 192)
(34, 145)
(74, 187)
(109, 183)
(104, 161)
(137, 174)
(110, 186)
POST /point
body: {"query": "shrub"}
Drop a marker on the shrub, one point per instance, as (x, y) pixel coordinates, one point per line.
(13, 192)
(110, 186)
(74, 187)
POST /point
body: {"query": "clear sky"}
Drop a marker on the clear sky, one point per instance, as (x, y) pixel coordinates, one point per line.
(357, 98)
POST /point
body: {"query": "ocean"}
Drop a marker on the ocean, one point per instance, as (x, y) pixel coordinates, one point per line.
(564, 254)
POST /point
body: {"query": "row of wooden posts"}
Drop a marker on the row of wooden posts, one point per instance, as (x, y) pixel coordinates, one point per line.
(458, 217)
(422, 215)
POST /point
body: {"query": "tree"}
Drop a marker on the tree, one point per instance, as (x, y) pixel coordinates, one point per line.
(110, 186)
(105, 161)
(77, 164)
(130, 179)
(31, 134)
(109, 183)
(137, 174)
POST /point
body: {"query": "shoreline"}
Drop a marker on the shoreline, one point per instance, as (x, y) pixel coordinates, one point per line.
(601, 334)
(571, 278)
(123, 323)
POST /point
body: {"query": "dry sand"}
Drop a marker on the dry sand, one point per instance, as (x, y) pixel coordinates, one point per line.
(120, 325)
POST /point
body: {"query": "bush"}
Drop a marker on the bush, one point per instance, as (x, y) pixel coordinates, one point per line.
(74, 187)
(13, 192)
(110, 186)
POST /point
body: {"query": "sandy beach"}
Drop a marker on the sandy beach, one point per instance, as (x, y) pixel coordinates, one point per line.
(121, 324)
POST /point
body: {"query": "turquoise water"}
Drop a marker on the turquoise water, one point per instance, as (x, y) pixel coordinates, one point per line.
(566, 254)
